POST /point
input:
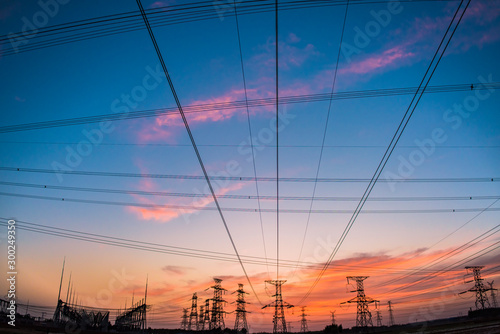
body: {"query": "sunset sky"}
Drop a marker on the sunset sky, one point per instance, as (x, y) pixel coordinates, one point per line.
(434, 210)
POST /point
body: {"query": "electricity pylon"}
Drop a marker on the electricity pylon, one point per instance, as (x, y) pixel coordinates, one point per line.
(184, 317)
(201, 319)
(363, 316)
(207, 315)
(379, 317)
(333, 317)
(193, 316)
(217, 320)
(241, 313)
(479, 288)
(303, 321)
(391, 316)
(279, 306)
(493, 294)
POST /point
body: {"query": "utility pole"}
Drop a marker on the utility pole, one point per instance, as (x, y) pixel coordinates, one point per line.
(279, 305)
(217, 320)
(240, 323)
(479, 288)
(379, 317)
(193, 316)
(333, 317)
(493, 294)
(184, 317)
(391, 316)
(303, 321)
(363, 316)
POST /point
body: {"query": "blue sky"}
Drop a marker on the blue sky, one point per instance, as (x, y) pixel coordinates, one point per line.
(452, 134)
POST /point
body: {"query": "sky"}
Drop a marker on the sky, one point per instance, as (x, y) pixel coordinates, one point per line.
(92, 66)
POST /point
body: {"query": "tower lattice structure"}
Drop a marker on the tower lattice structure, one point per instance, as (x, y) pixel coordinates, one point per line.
(206, 316)
(333, 317)
(201, 318)
(279, 307)
(193, 316)
(217, 319)
(482, 301)
(303, 320)
(391, 315)
(379, 316)
(240, 322)
(493, 294)
(363, 315)
(184, 322)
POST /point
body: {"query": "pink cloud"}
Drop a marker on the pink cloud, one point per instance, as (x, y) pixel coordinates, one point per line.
(376, 62)
(163, 214)
(158, 4)
(18, 99)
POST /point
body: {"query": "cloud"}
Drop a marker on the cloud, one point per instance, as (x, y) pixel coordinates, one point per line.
(163, 214)
(177, 270)
(391, 57)
(19, 99)
(158, 4)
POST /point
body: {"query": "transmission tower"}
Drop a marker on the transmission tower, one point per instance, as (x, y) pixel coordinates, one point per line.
(201, 319)
(379, 317)
(193, 316)
(279, 305)
(333, 317)
(217, 320)
(363, 316)
(241, 313)
(206, 318)
(184, 322)
(303, 320)
(493, 294)
(479, 288)
(391, 316)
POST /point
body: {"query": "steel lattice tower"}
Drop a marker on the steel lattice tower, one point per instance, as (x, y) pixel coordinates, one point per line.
(303, 320)
(379, 317)
(201, 319)
(279, 305)
(333, 317)
(479, 288)
(206, 318)
(363, 316)
(391, 316)
(493, 294)
(193, 316)
(217, 320)
(241, 313)
(184, 317)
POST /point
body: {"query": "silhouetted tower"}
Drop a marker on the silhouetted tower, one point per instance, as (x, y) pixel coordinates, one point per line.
(333, 317)
(493, 294)
(279, 305)
(303, 320)
(201, 319)
(290, 327)
(479, 288)
(363, 316)
(184, 322)
(217, 320)
(379, 317)
(391, 316)
(193, 316)
(241, 313)
(206, 321)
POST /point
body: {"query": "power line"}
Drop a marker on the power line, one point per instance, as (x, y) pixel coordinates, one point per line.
(250, 131)
(249, 178)
(277, 148)
(242, 104)
(167, 249)
(324, 133)
(160, 57)
(246, 197)
(394, 140)
(232, 209)
(114, 24)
